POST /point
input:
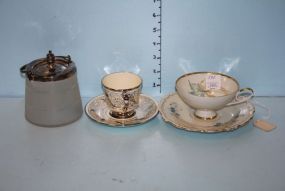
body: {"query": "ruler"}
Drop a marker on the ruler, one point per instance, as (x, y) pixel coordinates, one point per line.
(157, 15)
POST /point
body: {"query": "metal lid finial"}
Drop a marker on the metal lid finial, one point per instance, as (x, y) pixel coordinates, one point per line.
(50, 61)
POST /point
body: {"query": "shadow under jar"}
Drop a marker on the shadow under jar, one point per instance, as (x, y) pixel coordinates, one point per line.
(122, 91)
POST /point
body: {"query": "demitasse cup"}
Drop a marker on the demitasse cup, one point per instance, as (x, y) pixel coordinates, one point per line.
(207, 92)
(122, 91)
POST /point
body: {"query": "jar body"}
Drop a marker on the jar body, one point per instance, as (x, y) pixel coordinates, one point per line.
(53, 103)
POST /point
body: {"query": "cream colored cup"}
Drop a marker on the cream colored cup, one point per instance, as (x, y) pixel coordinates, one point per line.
(192, 90)
(122, 90)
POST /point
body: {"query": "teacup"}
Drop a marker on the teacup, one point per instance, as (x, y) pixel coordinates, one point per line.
(122, 90)
(207, 92)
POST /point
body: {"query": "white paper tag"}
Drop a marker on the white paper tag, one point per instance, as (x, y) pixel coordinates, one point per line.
(213, 82)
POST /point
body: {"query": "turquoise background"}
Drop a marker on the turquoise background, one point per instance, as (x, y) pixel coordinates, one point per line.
(245, 39)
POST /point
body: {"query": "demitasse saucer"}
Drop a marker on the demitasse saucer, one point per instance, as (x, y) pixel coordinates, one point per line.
(180, 115)
(98, 110)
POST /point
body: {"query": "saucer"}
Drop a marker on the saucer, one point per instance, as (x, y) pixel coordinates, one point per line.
(180, 115)
(98, 110)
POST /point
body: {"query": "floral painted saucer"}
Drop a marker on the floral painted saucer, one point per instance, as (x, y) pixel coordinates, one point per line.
(98, 110)
(180, 115)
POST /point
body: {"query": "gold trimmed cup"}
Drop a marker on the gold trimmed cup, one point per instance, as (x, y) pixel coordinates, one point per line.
(122, 91)
(208, 92)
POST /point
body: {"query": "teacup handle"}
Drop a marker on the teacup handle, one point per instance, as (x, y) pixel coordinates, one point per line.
(242, 95)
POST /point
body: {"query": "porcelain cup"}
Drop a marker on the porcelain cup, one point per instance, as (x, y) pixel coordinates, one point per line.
(207, 92)
(122, 91)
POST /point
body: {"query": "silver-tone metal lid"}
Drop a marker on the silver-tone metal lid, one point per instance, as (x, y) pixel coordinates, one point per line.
(51, 68)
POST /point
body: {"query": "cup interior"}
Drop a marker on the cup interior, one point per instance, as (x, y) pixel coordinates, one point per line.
(195, 82)
(121, 81)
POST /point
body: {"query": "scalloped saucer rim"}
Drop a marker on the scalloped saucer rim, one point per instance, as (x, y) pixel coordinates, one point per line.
(174, 111)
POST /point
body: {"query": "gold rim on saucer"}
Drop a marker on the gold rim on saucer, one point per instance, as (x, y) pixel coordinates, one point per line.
(97, 110)
(174, 111)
